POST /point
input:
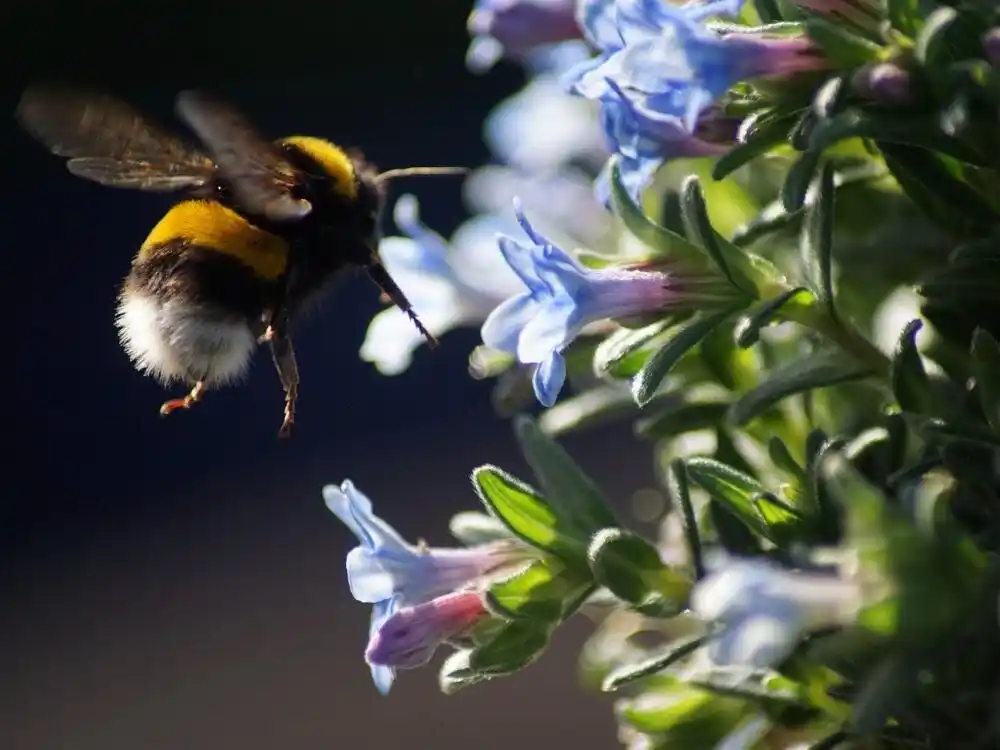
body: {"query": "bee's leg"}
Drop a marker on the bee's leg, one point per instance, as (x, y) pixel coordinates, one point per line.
(288, 371)
(184, 403)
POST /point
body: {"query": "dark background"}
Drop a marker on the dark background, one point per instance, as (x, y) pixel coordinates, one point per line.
(178, 583)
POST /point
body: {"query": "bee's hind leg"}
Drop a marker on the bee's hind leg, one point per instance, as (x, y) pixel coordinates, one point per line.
(186, 402)
(288, 370)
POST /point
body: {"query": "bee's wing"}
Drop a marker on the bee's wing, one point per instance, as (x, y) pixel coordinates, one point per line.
(109, 142)
(261, 178)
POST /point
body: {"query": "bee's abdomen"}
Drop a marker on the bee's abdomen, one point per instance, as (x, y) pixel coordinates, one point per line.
(189, 312)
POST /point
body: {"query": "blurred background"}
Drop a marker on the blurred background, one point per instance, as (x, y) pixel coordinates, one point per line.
(179, 583)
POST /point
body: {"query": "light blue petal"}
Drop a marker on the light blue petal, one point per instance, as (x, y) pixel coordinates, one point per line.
(521, 259)
(548, 331)
(549, 378)
(337, 500)
(433, 248)
(382, 676)
(503, 326)
(697, 11)
(367, 577)
(597, 21)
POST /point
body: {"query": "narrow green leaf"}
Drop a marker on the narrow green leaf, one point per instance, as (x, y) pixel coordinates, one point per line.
(541, 591)
(799, 177)
(731, 532)
(472, 527)
(654, 236)
(782, 521)
(907, 375)
(518, 644)
(630, 568)
(757, 141)
(831, 97)
(574, 496)
(761, 315)
(684, 716)
(677, 484)
(768, 11)
(620, 344)
(734, 489)
(456, 674)
(600, 405)
(817, 241)
(932, 37)
(986, 366)
(725, 255)
(831, 742)
(820, 370)
(782, 458)
(905, 15)
(841, 46)
(658, 366)
(526, 514)
(673, 653)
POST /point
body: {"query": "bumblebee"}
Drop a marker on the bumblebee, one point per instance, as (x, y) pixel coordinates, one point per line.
(259, 230)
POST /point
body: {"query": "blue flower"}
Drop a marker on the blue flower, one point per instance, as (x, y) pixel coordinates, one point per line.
(449, 285)
(516, 28)
(562, 297)
(764, 609)
(388, 573)
(661, 71)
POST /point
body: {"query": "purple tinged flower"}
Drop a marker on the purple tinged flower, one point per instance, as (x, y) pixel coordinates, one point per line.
(765, 609)
(563, 296)
(886, 83)
(409, 638)
(388, 573)
(991, 46)
(516, 28)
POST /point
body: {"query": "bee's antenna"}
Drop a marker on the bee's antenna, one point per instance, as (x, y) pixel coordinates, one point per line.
(381, 277)
(392, 174)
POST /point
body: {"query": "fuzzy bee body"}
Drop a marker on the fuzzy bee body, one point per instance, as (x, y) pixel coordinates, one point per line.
(259, 231)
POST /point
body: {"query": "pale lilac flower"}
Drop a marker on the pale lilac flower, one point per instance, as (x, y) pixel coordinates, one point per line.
(515, 28)
(409, 638)
(991, 46)
(563, 296)
(765, 610)
(542, 127)
(389, 573)
(450, 285)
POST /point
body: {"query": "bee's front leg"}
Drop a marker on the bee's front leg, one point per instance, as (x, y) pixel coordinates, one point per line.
(288, 369)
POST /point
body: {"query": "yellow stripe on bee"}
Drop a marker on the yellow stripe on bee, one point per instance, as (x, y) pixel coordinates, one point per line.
(334, 161)
(213, 226)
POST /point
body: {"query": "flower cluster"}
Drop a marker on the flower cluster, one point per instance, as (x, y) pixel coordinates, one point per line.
(680, 190)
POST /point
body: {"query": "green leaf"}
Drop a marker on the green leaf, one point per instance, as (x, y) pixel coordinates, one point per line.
(797, 181)
(728, 257)
(735, 490)
(841, 46)
(754, 141)
(783, 521)
(831, 97)
(656, 237)
(660, 661)
(761, 315)
(909, 379)
(819, 370)
(574, 496)
(817, 241)
(527, 515)
(658, 366)
(986, 366)
(622, 343)
(677, 484)
(631, 569)
(683, 716)
(782, 458)
(907, 15)
(456, 674)
(472, 527)
(518, 644)
(543, 591)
